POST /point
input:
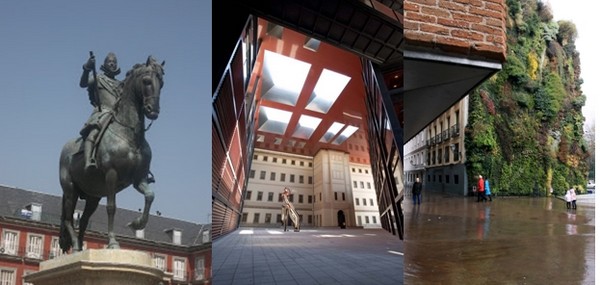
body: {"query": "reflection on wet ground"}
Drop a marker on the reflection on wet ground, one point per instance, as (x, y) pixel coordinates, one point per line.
(455, 240)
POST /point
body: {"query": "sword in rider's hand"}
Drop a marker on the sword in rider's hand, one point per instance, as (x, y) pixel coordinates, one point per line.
(96, 99)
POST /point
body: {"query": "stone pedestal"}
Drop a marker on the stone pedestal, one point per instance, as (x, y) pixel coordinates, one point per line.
(99, 267)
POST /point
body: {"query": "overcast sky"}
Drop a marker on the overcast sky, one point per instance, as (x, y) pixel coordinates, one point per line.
(43, 47)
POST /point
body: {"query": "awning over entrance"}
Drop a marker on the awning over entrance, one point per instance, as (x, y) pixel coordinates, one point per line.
(433, 83)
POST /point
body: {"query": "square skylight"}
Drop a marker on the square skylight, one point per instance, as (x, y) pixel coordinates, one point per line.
(331, 132)
(311, 44)
(346, 133)
(274, 30)
(273, 120)
(283, 78)
(327, 90)
(306, 126)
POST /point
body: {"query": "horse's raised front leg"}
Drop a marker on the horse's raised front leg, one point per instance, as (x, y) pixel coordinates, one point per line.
(143, 187)
(111, 207)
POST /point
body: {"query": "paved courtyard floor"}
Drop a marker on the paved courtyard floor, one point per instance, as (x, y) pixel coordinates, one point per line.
(448, 240)
(312, 256)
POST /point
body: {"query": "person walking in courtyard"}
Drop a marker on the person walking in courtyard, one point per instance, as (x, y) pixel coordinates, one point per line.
(480, 190)
(488, 190)
(416, 191)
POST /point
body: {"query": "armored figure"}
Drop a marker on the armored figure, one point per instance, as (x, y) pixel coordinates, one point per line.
(104, 91)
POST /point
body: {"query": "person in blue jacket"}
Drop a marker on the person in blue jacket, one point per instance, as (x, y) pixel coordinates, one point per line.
(488, 191)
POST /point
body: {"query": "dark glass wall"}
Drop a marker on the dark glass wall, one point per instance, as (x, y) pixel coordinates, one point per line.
(233, 133)
(385, 149)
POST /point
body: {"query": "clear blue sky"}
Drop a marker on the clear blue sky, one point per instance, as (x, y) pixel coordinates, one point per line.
(43, 45)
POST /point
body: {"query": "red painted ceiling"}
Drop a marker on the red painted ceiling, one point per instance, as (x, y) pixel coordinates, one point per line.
(350, 102)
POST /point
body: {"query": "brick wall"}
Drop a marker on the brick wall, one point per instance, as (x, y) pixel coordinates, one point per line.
(474, 28)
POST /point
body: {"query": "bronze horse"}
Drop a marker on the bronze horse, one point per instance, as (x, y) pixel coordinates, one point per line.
(123, 158)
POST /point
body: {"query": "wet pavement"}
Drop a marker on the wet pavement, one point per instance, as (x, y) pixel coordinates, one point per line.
(455, 240)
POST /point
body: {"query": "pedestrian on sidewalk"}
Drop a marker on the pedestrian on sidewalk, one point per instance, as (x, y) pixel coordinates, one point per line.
(416, 191)
(573, 198)
(480, 190)
(568, 198)
(488, 190)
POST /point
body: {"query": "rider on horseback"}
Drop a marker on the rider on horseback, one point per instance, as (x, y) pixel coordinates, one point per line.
(104, 91)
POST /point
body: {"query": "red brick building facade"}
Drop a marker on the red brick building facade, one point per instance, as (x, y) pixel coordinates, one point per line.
(30, 225)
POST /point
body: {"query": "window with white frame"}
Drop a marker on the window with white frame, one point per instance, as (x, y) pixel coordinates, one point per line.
(139, 233)
(55, 249)
(35, 245)
(199, 268)
(8, 276)
(176, 237)
(178, 268)
(76, 217)
(160, 261)
(10, 241)
(205, 236)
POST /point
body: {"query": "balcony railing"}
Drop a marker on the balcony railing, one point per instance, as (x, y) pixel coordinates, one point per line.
(454, 131)
(445, 135)
(22, 252)
(23, 255)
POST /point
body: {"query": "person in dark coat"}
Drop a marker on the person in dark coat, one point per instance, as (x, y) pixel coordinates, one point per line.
(416, 191)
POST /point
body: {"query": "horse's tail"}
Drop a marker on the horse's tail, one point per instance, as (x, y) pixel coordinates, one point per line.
(64, 239)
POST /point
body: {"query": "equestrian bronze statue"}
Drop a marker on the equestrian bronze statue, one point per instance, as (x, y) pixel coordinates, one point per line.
(118, 155)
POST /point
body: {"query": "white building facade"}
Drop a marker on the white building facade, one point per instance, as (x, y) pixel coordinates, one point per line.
(436, 154)
(325, 190)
